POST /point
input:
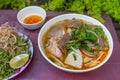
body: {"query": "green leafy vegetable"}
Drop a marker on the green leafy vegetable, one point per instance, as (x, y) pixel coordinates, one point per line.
(79, 8)
(5, 69)
(14, 4)
(54, 5)
(93, 7)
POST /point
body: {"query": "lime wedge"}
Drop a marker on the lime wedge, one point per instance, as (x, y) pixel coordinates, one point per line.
(18, 61)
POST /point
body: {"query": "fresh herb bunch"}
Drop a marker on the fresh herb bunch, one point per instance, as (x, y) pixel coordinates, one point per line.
(54, 5)
(112, 8)
(77, 7)
(5, 69)
(92, 7)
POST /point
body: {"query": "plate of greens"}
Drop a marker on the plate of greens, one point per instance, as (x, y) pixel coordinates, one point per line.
(16, 51)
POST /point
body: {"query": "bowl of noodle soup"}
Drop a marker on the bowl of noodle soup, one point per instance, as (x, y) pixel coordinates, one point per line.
(75, 43)
(13, 43)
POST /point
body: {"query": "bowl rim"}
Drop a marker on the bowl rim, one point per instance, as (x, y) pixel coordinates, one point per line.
(44, 17)
(41, 32)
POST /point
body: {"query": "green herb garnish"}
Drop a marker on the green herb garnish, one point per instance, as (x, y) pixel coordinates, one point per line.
(74, 56)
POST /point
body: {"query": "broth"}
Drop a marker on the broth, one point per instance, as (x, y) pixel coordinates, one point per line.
(75, 44)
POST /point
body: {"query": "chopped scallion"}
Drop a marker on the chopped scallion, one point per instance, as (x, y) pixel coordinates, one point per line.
(74, 56)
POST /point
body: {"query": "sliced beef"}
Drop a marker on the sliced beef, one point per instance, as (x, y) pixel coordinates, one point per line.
(56, 31)
(72, 23)
(62, 42)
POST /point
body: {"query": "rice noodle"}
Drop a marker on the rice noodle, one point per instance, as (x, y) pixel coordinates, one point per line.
(7, 38)
(59, 62)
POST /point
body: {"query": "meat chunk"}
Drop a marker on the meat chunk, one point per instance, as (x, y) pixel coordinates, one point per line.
(72, 23)
(63, 41)
(74, 59)
(52, 47)
(56, 32)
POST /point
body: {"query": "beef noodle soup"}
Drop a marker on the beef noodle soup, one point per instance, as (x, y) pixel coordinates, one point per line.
(75, 44)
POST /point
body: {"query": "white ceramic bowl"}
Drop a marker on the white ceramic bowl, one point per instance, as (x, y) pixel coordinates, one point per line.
(70, 16)
(31, 10)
